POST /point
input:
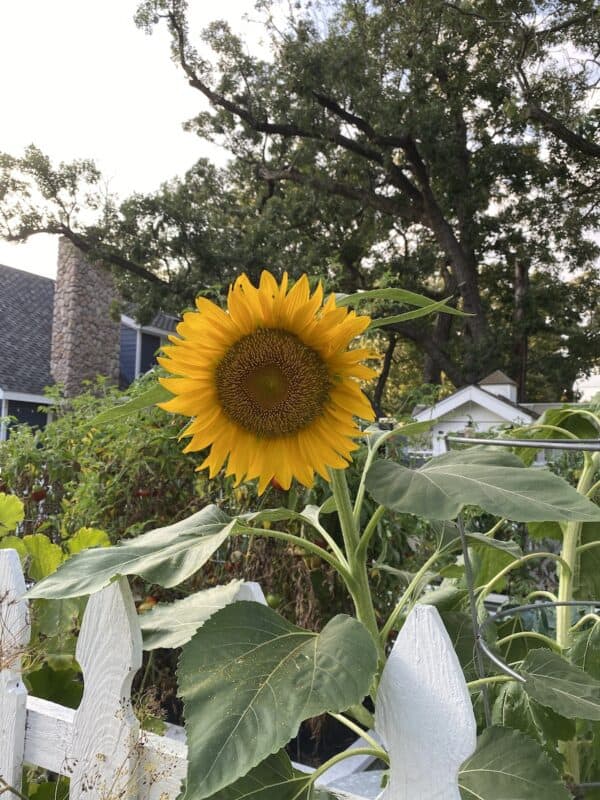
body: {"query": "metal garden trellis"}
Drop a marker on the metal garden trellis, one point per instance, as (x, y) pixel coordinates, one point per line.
(589, 445)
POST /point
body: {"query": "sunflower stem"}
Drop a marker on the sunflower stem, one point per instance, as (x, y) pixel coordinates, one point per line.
(343, 504)
(359, 588)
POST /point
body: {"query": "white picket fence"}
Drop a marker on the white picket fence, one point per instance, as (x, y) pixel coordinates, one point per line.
(423, 711)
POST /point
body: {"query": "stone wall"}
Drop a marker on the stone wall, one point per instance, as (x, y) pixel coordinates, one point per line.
(85, 340)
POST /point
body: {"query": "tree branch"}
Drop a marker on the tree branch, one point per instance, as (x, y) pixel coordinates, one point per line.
(388, 205)
(424, 340)
(107, 255)
(561, 131)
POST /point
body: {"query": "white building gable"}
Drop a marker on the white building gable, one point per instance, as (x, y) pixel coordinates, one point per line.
(475, 409)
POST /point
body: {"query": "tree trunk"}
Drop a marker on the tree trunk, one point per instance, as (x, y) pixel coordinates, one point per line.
(521, 343)
(384, 375)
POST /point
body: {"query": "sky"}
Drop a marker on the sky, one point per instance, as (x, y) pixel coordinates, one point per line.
(79, 80)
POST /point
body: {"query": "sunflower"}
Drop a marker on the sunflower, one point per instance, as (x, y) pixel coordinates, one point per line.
(271, 383)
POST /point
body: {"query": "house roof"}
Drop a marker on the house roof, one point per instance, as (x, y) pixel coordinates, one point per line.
(26, 307)
(502, 406)
(497, 378)
(165, 322)
(26, 310)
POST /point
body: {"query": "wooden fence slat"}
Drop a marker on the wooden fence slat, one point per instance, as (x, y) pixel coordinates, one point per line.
(49, 734)
(14, 638)
(423, 711)
(105, 751)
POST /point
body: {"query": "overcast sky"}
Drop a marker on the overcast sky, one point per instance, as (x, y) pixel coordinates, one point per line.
(79, 80)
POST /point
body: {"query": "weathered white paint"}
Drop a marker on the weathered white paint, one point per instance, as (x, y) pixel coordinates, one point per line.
(105, 730)
(14, 638)
(423, 712)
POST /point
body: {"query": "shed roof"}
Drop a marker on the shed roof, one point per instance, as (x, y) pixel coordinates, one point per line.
(496, 378)
(26, 307)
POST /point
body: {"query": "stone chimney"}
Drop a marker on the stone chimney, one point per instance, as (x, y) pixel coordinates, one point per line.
(85, 340)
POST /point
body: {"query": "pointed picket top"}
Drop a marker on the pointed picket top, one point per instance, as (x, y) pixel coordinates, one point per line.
(14, 638)
(423, 712)
(105, 730)
(250, 590)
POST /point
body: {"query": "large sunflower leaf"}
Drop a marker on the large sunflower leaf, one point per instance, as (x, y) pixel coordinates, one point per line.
(507, 764)
(173, 624)
(248, 678)
(553, 681)
(497, 482)
(166, 556)
(585, 651)
(514, 708)
(273, 779)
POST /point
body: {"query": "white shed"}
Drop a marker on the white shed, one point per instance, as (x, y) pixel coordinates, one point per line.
(476, 409)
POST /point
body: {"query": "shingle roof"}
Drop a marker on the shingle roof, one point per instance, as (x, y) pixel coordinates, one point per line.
(26, 305)
(496, 378)
(165, 322)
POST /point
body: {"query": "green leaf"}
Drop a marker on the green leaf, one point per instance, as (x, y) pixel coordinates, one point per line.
(59, 686)
(394, 295)
(44, 556)
(11, 513)
(460, 630)
(166, 556)
(487, 562)
(433, 308)
(309, 514)
(514, 708)
(174, 624)
(376, 436)
(571, 419)
(14, 543)
(545, 530)
(587, 578)
(155, 394)
(508, 765)
(87, 537)
(553, 681)
(585, 651)
(248, 678)
(480, 477)
(447, 597)
(273, 779)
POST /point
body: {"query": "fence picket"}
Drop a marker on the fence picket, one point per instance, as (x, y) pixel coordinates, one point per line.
(14, 638)
(105, 748)
(423, 711)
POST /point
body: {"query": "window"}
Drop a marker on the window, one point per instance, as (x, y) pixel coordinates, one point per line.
(150, 345)
(138, 351)
(22, 411)
(127, 356)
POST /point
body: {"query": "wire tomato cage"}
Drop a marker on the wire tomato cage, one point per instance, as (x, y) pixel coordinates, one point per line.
(481, 646)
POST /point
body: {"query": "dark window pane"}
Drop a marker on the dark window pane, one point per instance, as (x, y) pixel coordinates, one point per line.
(26, 412)
(127, 356)
(150, 345)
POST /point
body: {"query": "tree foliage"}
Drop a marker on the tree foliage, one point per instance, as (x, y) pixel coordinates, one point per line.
(446, 147)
